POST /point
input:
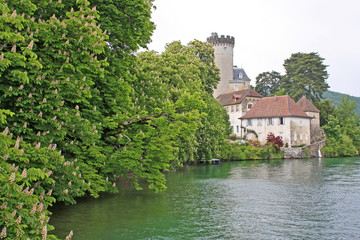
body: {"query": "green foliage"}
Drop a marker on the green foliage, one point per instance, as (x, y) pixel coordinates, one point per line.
(305, 76)
(327, 109)
(336, 98)
(281, 92)
(248, 151)
(80, 108)
(268, 83)
(306, 152)
(343, 131)
(23, 194)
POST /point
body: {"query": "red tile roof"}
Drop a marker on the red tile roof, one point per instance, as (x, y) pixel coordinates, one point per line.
(237, 96)
(278, 106)
(306, 105)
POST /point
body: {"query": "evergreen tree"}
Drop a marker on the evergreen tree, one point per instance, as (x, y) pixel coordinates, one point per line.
(268, 83)
(305, 76)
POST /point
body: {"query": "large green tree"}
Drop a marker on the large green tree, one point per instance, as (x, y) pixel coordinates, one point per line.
(306, 75)
(268, 83)
(179, 83)
(343, 130)
(84, 108)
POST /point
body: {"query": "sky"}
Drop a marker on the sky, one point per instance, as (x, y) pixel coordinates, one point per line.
(268, 31)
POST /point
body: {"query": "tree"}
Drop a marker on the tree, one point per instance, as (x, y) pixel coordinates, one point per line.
(326, 108)
(305, 76)
(82, 108)
(182, 79)
(268, 83)
(343, 130)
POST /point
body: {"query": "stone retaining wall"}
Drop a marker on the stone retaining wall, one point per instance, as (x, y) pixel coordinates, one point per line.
(313, 151)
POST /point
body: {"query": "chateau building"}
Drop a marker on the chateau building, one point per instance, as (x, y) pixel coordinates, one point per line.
(281, 116)
(254, 117)
(237, 104)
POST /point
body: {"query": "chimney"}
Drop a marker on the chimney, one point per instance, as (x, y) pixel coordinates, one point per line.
(275, 98)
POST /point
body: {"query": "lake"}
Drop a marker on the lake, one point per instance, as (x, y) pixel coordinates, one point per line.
(276, 199)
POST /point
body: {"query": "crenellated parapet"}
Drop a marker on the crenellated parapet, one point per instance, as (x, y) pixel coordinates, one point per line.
(214, 39)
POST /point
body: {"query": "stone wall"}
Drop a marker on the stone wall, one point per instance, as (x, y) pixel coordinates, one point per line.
(314, 151)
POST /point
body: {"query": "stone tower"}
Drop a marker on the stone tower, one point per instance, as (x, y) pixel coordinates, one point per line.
(224, 47)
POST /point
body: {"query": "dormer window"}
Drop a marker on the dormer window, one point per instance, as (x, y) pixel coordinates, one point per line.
(241, 75)
(249, 106)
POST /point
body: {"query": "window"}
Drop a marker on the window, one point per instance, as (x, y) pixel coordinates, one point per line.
(249, 106)
(236, 88)
(259, 121)
(300, 123)
(227, 110)
(237, 108)
(232, 129)
(282, 121)
(295, 138)
(300, 136)
(270, 121)
(232, 108)
(249, 122)
(237, 128)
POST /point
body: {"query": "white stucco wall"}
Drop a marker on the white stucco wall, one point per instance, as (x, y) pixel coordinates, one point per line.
(236, 111)
(315, 124)
(294, 131)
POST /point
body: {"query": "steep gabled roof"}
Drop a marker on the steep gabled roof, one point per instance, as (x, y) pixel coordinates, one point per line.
(306, 105)
(278, 106)
(237, 96)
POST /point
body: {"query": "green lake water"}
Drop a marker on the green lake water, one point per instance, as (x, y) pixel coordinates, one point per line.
(277, 199)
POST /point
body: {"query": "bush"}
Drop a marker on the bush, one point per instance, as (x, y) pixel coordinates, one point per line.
(247, 152)
(233, 136)
(255, 143)
(277, 142)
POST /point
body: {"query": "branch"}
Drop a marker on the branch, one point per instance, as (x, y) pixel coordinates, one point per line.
(143, 119)
(136, 120)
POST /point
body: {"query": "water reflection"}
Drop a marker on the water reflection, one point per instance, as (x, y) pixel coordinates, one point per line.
(291, 199)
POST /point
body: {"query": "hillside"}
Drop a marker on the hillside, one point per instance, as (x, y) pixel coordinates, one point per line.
(336, 97)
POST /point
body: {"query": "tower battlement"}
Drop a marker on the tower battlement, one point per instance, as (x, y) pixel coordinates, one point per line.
(214, 39)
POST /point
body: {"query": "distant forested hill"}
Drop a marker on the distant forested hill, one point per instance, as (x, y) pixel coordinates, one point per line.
(336, 97)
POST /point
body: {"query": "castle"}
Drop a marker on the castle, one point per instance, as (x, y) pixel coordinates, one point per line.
(232, 77)
(253, 116)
